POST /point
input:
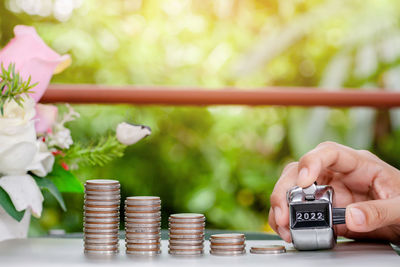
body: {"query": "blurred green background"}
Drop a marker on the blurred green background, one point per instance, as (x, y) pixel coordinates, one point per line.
(221, 161)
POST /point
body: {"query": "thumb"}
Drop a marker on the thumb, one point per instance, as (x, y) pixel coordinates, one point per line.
(370, 215)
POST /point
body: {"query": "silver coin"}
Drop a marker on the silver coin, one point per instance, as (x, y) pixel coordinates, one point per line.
(101, 252)
(180, 236)
(106, 220)
(142, 230)
(268, 249)
(185, 221)
(228, 253)
(226, 245)
(228, 248)
(102, 187)
(102, 203)
(130, 209)
(99, 230)
(106, 194)
(186, 252)
(185, 242)
(134, 229)
(100, 247)
(103, 198)
(130, 233)
(97, 244)
(99, 213)
(189, 231)
(142, 203)
(142, 221)
(143, 235)
(142, 241)
(154, 226)
(185, 247)
(89, 213)
(101, 240)
(142, 198)
(228, 236)
(143, 253)
(100, 235)
(101, 220)
(102, 209)
(101, 181)
(227, 241)
(143, 225)
(101, 226)
(143, 215)
(186, 216)
(147, 215)
(186, 225)
(143, 246)
(231, 243)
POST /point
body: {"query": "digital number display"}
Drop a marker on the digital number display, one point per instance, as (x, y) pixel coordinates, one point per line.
(303, 216)
(309, 215)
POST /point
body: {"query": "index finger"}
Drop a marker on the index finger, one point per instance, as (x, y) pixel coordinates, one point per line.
(327, 155)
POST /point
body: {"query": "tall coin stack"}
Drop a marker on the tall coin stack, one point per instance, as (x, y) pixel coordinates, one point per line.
(227, 244)
(101, 216)
(186, 234)
(143, 225)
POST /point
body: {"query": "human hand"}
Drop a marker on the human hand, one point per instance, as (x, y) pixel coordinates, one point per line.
(368, 187)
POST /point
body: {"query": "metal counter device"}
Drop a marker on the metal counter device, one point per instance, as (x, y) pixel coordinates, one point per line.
(311, 217)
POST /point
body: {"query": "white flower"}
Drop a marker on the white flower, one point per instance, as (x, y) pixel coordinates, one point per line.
(24, 193)
(61, 137)
(43, 161)
(129, 134)
(18, 151)
(17, 137)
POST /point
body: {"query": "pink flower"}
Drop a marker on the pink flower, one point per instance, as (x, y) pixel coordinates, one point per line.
(32, 57)
(46, 116)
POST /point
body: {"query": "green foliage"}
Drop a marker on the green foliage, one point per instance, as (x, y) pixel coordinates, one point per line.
(65, 181)
(46, 184)
(106, 150)
(12, 86)
(8, 206)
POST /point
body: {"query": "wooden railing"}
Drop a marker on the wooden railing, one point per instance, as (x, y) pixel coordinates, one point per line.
(279, 96)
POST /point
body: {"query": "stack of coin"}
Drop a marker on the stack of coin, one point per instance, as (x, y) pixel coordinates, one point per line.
(186, 234)
(227, 244)
(143, 225)
(101, 216)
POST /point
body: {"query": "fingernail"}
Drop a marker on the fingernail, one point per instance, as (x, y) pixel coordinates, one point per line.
(278, 214)
(303, 174)
(284, 233)
(357, 216)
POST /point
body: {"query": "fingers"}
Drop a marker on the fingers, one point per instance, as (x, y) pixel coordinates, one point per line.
(370, 215)
(327, 155)
(279, 217)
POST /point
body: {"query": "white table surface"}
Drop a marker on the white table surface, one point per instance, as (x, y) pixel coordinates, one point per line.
(69, 252)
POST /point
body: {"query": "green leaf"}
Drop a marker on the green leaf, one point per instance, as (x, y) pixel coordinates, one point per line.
(45, 183)
(65, 180)
(8, 206)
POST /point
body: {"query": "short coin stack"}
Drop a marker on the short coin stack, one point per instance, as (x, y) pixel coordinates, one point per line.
(101, 216)
(143, 225)
(268, 249)
(186, 234)
(227, 244)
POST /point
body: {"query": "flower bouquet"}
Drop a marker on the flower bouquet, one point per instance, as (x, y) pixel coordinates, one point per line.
(36, 149)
